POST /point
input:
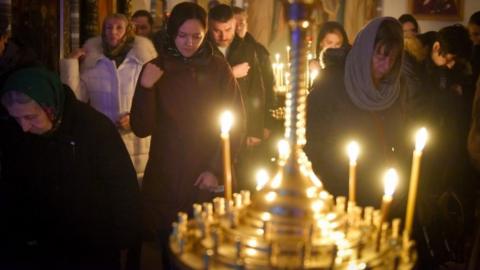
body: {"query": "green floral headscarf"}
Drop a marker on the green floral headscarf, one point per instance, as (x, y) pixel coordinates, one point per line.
(41, 85)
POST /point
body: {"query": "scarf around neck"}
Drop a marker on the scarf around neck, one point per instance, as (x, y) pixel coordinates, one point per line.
(358, 72)
(119, 53)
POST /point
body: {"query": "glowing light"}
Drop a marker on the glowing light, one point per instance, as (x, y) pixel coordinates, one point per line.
(305, 24)
(390, 181)
(270, 196)
(262, 178)
(313, 74)
(283, 149)
(353, 150)
(421, 139)
(311, 191)
(277, 57)
(317, 206)
(226, 121)
(266, 217)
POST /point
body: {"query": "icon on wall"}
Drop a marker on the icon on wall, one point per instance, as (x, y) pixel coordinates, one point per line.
(436, 9)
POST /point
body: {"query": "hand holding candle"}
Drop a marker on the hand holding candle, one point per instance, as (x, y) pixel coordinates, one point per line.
(353, 150)
(226, 121)
(420, 141)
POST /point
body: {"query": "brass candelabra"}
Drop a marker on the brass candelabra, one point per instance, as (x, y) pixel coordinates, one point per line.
(291, 222)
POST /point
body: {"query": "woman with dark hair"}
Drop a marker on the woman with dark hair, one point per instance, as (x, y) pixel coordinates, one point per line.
(331, 35)
(409, 25)
(178, 100)
(359, 101)
(104, 72)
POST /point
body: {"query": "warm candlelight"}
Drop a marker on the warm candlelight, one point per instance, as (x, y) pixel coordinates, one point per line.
(283, 150)
(420, 141)
(277, 58)
(353, 150)
(262, 178)
(226, 121)
(390, 184)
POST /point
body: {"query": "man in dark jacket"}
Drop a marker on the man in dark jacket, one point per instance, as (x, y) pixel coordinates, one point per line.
(439, 93)
(265, 64)
(243, 59)
(69, 195)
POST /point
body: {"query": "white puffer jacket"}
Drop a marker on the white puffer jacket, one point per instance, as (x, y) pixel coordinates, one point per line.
(110, 90)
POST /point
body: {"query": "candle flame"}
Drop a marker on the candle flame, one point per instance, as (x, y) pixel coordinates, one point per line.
(283, 149)
(226, 121)
(262, 178)
(277, 57)
(390, 181)
(314, 74)
(421, 139)
(353, 150)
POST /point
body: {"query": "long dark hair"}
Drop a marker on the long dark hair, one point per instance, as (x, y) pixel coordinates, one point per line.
(183, 12)
(331, 27)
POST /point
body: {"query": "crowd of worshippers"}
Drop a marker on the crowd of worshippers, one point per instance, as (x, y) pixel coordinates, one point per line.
(100, 158)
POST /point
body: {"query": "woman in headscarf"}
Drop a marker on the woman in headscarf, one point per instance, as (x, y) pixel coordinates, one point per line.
(178, 101)
(104, 73)
(69, 195)
(359, 101)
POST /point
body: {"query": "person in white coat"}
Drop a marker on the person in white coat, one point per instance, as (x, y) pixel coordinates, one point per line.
(104, 73)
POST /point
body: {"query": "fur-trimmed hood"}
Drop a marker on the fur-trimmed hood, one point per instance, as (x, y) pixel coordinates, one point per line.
(415, 48)
(142, 51)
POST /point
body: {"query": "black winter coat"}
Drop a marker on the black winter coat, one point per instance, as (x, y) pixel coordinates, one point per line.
(251, 86)
(333, 120)
(69, 199)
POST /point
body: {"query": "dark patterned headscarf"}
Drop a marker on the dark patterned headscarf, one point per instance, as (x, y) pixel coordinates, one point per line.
(119, 52)
(41, 85)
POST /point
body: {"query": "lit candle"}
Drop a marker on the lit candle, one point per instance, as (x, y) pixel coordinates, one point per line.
(262, 178)
(277, 58)
(283, 150)
(226, 121)
(390, 182)
(420, 141)
(353, 149)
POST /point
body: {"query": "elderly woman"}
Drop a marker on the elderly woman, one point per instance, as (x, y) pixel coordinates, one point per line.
(178, 101)
(107, 76)
(69, 195)
(359, 101)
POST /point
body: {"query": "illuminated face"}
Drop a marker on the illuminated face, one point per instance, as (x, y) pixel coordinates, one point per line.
(409, 29)
(242, 25)
(31, 117)
(382, 63)
(446, 60)
(142, 27)
(223, 32)
(474, 31)
(189, 37)
(332, 40)
(115, 29)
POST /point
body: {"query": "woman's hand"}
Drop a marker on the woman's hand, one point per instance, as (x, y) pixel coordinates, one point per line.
(77, 54)
(150, 75)
(207, 181)
(123, 122)
(240, 70)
